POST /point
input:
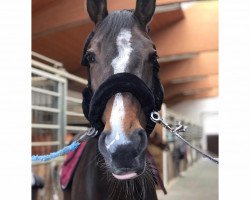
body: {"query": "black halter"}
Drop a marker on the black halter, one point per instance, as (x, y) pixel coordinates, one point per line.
(94, 104)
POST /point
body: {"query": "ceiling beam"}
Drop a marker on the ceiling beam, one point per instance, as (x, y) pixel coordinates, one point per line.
(212, 92)
(38, 4)
(165, 19)
(175, 89)
(65, 43)
(60, 15)
(198, 31)
(65, 46)
(203, 64)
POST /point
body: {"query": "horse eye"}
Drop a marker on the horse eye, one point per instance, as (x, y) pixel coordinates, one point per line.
(90, 56)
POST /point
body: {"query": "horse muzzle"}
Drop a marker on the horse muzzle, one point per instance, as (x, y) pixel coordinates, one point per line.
(126, 156)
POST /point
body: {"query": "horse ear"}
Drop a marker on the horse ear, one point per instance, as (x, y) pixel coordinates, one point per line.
(97, 10)
(144, 10)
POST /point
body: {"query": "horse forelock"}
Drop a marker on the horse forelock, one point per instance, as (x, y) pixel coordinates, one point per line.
(110, 27)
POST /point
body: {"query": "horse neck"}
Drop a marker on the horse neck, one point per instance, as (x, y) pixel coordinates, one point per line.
(91, 180)
(85, 184)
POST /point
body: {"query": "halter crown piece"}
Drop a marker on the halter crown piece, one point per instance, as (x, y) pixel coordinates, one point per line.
(94, 103)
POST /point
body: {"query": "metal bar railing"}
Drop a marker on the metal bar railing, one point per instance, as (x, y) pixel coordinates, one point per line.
(44, 91)
(38, 79)
(46, 109)
(47, 59)
(47, 75)
(75, 100)
(76, 114)
(164, 153)
(44, 69)
(76, 128)
(56, 160)
(45, 126)
(59, 72)
(36, 144)
(62, 117)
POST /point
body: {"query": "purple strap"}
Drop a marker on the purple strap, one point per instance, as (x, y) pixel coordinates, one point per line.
(70, 164)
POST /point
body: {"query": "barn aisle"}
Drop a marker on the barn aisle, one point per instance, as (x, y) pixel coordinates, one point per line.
(200, 182)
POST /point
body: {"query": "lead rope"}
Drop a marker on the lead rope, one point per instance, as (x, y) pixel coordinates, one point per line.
(90, 133)
(155, 117)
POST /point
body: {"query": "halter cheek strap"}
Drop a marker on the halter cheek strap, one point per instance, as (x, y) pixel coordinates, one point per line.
(84, 61)
(86, 99)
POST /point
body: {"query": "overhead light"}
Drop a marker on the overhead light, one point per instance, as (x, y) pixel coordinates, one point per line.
(193, 92)
(187, 5)
(187, 79)
(177, 57)
(167, 8)
(38, 78)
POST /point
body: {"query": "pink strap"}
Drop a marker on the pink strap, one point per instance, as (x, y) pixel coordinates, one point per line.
(70, 164)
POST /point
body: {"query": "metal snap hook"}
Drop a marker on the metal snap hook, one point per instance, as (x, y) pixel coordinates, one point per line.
(155, 116)
(92, 132)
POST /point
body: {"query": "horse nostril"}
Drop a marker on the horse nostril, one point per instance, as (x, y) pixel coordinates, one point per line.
(102, 142)
(139, 138)
(144, 140)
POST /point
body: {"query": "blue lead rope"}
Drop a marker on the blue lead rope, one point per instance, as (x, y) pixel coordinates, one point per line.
(90, 133)
(42, 158)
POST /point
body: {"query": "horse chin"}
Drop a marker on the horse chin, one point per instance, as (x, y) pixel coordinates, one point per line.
(128, 175)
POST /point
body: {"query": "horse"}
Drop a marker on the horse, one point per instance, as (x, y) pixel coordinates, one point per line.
(123, 89)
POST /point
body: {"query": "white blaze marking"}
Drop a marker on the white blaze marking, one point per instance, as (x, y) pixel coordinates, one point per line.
(117, 114)
(120, 62)
(119, 65)
(116, 120)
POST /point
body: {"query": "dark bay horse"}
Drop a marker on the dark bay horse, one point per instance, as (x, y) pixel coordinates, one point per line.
(123, 89)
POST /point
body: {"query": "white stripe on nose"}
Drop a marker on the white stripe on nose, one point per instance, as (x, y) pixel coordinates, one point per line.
(116, 120)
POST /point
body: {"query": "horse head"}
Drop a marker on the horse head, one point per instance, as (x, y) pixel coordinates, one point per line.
(120, 54)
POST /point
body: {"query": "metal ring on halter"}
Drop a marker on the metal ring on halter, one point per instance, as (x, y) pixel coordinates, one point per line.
(155, 117)
(93, 132)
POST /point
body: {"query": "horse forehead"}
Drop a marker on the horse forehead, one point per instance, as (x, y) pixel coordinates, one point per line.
(132, 42)
(124, 37)
(124, 49)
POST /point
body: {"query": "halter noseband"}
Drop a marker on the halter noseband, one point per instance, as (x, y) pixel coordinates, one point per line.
(94, 104)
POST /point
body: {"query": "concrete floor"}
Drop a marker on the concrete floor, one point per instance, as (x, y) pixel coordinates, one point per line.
(199, 182)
